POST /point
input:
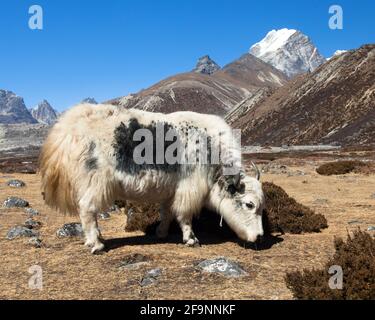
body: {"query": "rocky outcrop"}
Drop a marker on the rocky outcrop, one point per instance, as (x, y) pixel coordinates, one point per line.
(206, 65)
(13, 109)
(89, 100)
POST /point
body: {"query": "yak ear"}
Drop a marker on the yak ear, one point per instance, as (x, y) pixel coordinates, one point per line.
(238, 178)
(232, 183)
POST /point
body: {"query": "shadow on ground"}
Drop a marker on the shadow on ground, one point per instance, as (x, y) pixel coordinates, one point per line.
(205, 238)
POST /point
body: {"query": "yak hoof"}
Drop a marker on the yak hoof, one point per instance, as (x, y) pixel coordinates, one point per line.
(98, 248)
(192, 242)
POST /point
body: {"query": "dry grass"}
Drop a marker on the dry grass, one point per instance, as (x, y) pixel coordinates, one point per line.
(71, 272)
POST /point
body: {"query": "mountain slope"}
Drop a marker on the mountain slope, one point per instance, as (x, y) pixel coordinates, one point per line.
(288, 50)
(13, 109)
(215, 94)
(186, 92)
(334, 104)
(44, 113)
(251, 71)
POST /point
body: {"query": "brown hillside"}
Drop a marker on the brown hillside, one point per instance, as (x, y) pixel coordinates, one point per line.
(334, 104)
(215, 94)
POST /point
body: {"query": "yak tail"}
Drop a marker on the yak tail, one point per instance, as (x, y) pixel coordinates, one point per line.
(57, 167)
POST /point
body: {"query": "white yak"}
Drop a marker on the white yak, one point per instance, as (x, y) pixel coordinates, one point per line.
(96, 154)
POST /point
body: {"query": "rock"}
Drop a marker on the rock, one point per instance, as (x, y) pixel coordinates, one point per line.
(150, 277)
(133, 261)
(296, 173)
(372, 228)
(104, 216)
(89, 100)
(354, 222)
(16, 183)
(114, 208)
(275, 168)
(32, 212)
(154, 273)
(320, 201)
(35, 242)
(222, 266)
(206, 65)
(20, 231)
(15, 202)
(70, 230)
(32, 224)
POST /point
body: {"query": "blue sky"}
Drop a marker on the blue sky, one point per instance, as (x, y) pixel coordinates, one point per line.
(105, 49)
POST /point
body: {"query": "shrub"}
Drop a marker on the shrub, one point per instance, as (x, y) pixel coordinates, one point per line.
(340, 167)
(283, 214)
(140, 216)
(356, 257)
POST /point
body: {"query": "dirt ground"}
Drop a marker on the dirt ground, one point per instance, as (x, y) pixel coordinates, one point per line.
(71, 272)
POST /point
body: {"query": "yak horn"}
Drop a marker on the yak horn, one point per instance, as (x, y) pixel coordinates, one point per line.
(257, 176)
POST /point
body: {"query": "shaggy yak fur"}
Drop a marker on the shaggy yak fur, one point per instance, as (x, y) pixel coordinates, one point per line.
(88, 162)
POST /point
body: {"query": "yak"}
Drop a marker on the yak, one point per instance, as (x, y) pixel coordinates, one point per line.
(97, 154)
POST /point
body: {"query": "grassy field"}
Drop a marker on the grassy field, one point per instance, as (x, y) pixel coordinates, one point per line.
(71, 272)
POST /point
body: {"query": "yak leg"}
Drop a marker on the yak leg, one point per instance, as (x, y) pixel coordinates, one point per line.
(188, 236)
(166, 219)
(90, 228)
(187, 202)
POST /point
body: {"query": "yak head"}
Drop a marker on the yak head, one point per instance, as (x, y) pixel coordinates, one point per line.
(239, 199)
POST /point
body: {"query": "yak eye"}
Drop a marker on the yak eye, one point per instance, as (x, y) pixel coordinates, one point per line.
(250, 205)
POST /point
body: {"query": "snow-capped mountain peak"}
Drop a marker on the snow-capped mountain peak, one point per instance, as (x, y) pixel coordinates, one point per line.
(288, 50)
(273, 41)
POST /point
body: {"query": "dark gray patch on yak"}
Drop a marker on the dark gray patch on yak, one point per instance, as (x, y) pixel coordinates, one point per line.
(124, 146)
(91, 163)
